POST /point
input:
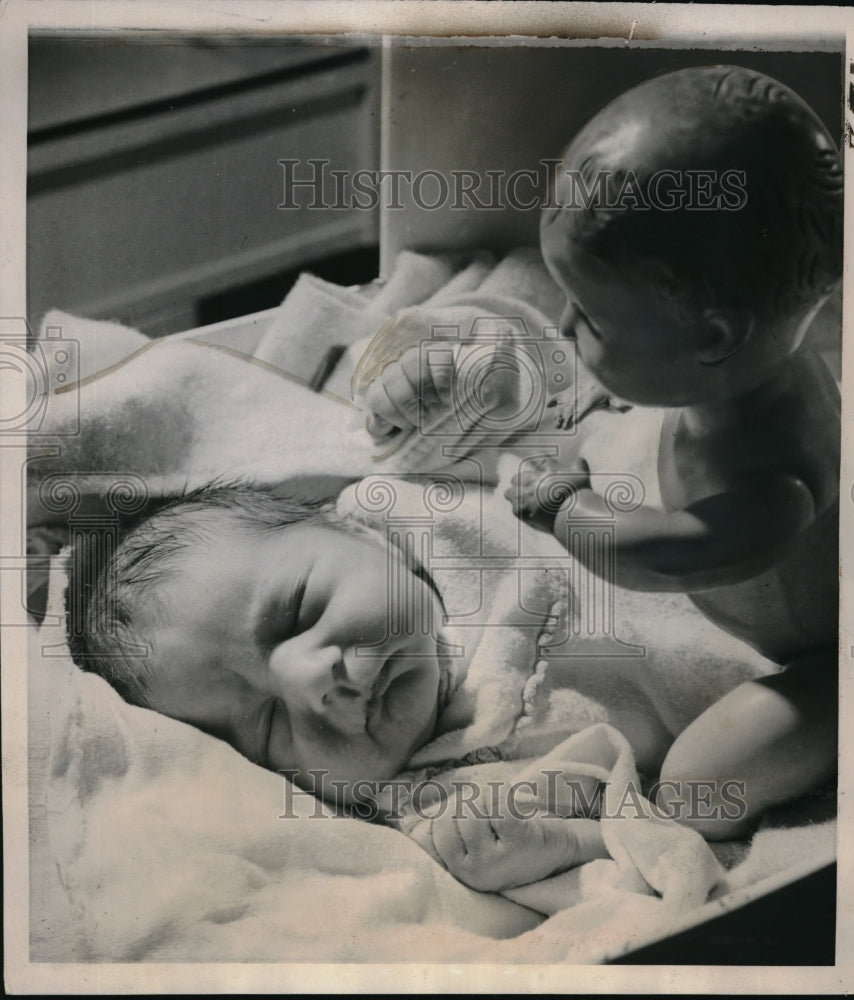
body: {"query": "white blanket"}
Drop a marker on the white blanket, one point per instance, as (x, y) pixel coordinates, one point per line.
(160, 843)
(152, 841)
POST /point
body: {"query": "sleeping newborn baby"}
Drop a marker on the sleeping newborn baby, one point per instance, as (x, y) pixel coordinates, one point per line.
(265, 622)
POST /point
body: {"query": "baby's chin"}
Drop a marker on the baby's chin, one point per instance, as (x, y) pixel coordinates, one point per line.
(361, 777)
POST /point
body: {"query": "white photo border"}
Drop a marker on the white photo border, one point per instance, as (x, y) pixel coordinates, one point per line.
(688, 25)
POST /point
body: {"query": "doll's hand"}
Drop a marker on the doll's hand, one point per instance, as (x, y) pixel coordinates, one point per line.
(540, 491)
(490, 854)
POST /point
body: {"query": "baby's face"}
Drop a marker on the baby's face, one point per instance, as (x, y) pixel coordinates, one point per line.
(262, 644)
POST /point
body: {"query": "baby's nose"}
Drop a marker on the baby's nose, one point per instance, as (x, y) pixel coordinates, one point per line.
(347, 693)
(330, 682)
(343, 685)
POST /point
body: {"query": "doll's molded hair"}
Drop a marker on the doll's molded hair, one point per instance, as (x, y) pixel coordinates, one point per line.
(781, 250)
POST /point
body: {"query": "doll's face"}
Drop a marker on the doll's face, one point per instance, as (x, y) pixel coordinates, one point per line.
(630, 336)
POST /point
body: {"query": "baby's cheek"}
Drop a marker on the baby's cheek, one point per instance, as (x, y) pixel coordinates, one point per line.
(280, 751)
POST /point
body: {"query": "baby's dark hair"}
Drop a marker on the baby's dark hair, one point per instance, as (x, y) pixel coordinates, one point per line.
(111, 579)
(778, 248)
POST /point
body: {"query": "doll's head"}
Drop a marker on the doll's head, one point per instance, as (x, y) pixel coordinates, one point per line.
(696, 226)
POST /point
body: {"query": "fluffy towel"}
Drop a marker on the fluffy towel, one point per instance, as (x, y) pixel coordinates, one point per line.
(153, 841)
(129, 806)
(131, 812)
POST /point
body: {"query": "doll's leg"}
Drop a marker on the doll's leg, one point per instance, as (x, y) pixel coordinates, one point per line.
(763, 743)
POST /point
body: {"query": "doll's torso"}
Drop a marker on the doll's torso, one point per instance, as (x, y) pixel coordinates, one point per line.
(793, 605)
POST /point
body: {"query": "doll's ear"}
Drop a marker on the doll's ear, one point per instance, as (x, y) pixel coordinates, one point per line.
(723, 334)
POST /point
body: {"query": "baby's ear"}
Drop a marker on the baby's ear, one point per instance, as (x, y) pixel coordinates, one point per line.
(723, 333)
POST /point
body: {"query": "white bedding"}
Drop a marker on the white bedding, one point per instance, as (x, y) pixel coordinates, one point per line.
(152, 841)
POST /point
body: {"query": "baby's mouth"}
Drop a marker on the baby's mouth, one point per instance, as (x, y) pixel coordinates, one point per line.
(354, 705)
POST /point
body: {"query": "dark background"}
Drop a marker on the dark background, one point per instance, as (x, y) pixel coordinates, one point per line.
(153, 174)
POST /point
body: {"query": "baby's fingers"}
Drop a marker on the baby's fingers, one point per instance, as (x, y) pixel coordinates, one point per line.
(394, 395)
(448, 842)
(526, 505)
(421, 833)
(470, 850)
(383, 416)
(522, 482)
(434, 380)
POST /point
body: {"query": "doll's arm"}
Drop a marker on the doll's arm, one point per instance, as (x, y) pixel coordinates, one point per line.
(722, 539)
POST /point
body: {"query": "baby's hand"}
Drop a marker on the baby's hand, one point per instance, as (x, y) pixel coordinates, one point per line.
(490, 854)
(414, 385)
(539, 492)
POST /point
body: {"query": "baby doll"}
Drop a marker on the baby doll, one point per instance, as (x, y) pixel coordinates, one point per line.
(700, 304)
